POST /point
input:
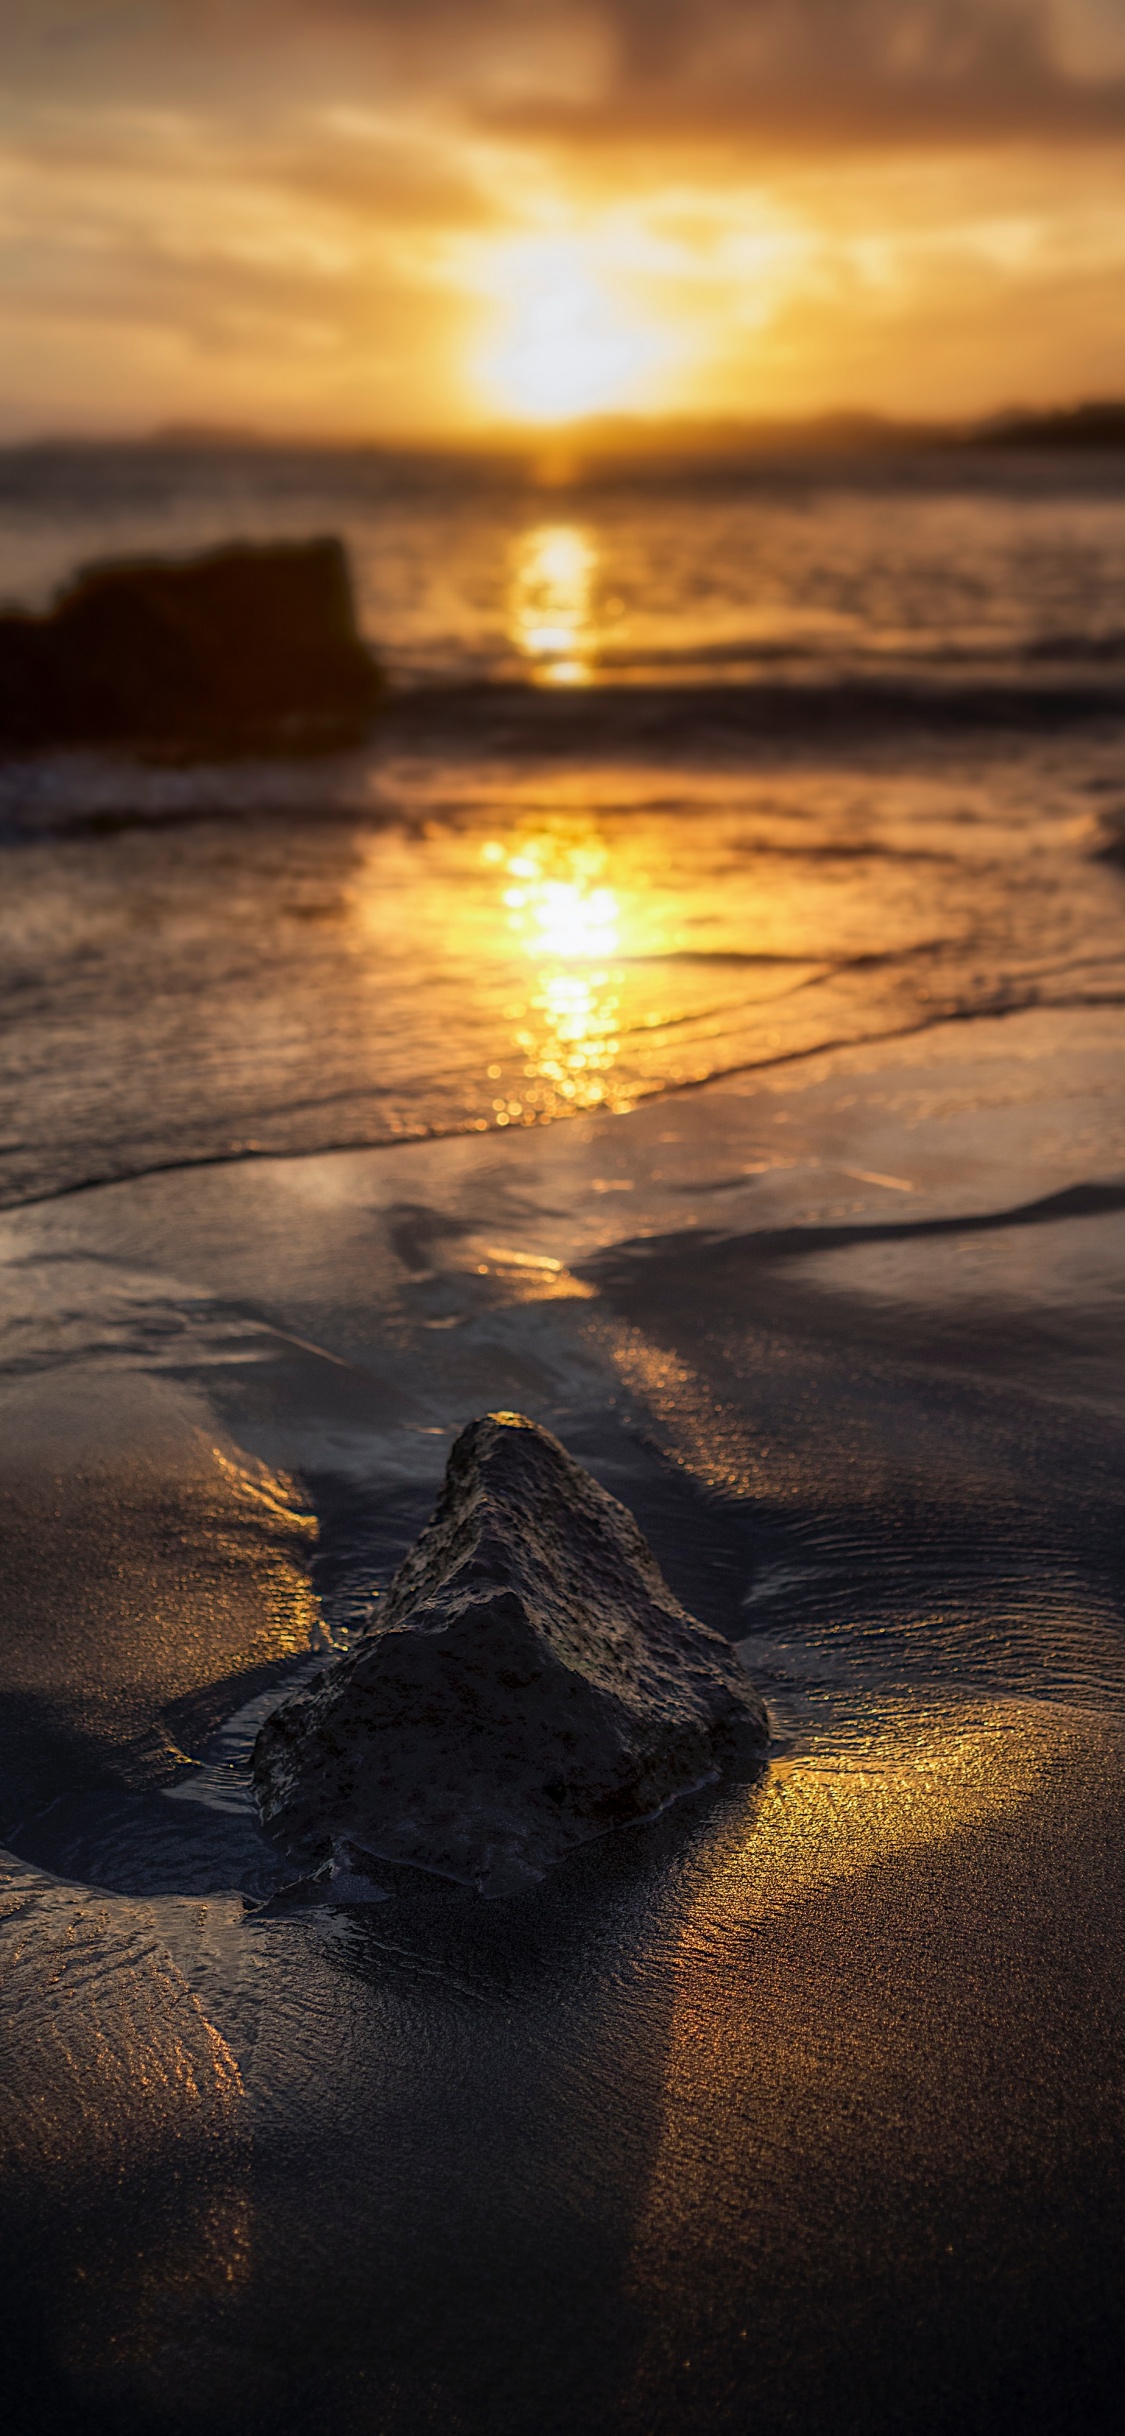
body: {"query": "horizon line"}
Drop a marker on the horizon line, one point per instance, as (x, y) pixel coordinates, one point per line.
(1089, 419)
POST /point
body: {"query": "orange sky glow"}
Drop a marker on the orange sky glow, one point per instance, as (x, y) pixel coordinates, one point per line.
(356, 217)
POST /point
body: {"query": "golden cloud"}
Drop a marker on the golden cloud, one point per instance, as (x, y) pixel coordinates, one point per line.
(357, 216)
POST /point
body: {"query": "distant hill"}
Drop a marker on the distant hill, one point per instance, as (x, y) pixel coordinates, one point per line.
(658, 442)
(207, 435)
(1098, 424)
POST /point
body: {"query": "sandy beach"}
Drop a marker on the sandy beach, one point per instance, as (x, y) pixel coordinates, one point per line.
(803, 2107)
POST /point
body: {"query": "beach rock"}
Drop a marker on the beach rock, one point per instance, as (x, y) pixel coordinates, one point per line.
(247, 648)
(529, 1683)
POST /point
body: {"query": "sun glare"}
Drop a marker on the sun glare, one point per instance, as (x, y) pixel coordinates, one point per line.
(550, 611)
(568, 922)
(555, 905)
(564, 345)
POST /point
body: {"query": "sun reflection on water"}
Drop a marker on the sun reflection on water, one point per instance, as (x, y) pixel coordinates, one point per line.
(565, 918)
(551, 602)
(583, 951)
(556, 900)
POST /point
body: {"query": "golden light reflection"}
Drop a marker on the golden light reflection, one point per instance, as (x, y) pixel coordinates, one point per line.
(569, 922)
(910, 1780)
(118, 2080)
(587, 949)
(806, 1983)
(550, 615)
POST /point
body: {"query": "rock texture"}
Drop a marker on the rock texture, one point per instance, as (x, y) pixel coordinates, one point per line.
(531, 1682)
(244, 648)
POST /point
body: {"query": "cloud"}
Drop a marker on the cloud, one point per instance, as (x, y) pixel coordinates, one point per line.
(787, 73)
(780, 72)
(304, 212)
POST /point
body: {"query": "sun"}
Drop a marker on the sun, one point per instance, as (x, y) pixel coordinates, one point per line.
(562, 343)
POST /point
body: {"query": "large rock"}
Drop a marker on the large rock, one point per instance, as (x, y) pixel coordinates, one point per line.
(530, 1682)
(244, 648)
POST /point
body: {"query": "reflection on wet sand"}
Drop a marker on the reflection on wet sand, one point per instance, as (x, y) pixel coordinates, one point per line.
(872, 1984)
(120, 2092)
(798, 2110)
(907, 1778)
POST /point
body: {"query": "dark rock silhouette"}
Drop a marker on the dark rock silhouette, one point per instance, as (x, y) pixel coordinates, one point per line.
(247, 648)
(1096, 423)
(530, 1682)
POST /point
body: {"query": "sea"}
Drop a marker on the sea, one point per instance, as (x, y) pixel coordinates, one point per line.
(688, 766)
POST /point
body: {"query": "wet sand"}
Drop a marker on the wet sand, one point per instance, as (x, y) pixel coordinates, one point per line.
(799, 2108)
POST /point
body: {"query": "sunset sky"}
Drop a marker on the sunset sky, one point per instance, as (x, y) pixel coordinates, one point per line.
(361, 216)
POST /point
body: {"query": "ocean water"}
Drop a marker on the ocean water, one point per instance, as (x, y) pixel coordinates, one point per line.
(695, 1019)
(682, 775)
(493, 567)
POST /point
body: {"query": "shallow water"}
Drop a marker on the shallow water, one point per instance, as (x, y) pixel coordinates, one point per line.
(800, 2107)
(584, 888)
(488, 946)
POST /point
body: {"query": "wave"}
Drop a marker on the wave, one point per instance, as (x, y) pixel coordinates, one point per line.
(704, 722)
(856, 656)
(1032, 1000)
(715, 721)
